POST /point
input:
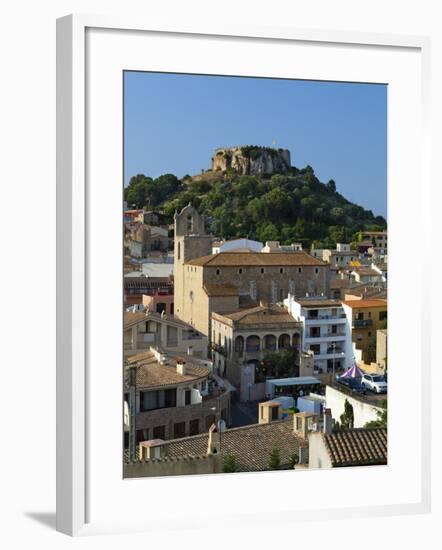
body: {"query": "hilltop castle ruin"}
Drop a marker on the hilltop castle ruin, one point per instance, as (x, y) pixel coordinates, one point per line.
(251, 160)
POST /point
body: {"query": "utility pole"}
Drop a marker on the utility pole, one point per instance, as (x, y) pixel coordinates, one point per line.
(132, 413)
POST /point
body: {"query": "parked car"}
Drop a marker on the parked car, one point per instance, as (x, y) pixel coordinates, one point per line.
(352, 384)
(375, 383)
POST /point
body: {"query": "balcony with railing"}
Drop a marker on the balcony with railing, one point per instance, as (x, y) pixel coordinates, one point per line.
(326, 319)
(362, 323)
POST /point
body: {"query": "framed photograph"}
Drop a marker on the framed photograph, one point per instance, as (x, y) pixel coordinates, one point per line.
(233, 248)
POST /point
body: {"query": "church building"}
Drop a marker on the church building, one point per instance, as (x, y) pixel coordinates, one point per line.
(227, 281)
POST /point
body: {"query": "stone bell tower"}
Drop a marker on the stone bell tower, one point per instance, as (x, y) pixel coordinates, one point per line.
(190, 242)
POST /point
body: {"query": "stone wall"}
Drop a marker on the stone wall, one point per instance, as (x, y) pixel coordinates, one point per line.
(169, 466)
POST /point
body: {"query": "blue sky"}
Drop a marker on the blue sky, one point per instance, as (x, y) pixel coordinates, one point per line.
(174, 122)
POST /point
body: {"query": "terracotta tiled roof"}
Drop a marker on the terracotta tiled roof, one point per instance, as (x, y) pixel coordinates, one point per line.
(219, 289)
(153, 375)
(132, 318)
(251, 445)
(260, 315)
(337, 282)
(169, 320)
(144, 282)
(365, 303)
(367, 293)
(232, 259)
(357, 447)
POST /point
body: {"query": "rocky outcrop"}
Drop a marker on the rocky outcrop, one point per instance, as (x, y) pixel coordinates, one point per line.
(251, 160)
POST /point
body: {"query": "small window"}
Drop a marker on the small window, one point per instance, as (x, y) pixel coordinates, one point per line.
(187, 397)
(159, 432)
(262, 270)
(316, 269)
(179, 430)
(299, 269)
(194, 427)
(218, 271)
(281, 270)
(240, 271)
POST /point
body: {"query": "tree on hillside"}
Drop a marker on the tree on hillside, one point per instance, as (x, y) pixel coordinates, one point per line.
(137, 192)
(268, 232)
(331, 185)
(287, 207)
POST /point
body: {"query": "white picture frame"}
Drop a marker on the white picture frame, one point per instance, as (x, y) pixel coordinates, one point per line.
(92, 49)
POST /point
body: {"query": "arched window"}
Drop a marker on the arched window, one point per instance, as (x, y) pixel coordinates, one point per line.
(189, 223)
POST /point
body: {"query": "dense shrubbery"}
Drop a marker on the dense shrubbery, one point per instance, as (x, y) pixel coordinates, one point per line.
(285, 207)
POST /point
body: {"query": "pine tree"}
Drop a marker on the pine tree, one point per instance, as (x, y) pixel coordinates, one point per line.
(274, 459)
(294, 459)
(347, 419)
(229, 464)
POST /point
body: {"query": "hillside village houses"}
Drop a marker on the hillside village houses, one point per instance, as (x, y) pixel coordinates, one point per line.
(199, 340)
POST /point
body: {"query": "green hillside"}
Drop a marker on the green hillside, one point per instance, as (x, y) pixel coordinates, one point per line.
(286, 208)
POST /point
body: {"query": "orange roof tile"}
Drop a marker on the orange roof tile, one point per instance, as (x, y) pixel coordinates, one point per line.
(365, 303)
(232, 259)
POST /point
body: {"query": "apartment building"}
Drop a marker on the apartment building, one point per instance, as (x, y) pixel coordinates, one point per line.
(324, 331)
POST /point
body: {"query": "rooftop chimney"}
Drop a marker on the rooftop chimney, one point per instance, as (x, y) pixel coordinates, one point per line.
(181, 366)
(213, 444)
(328, 422)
